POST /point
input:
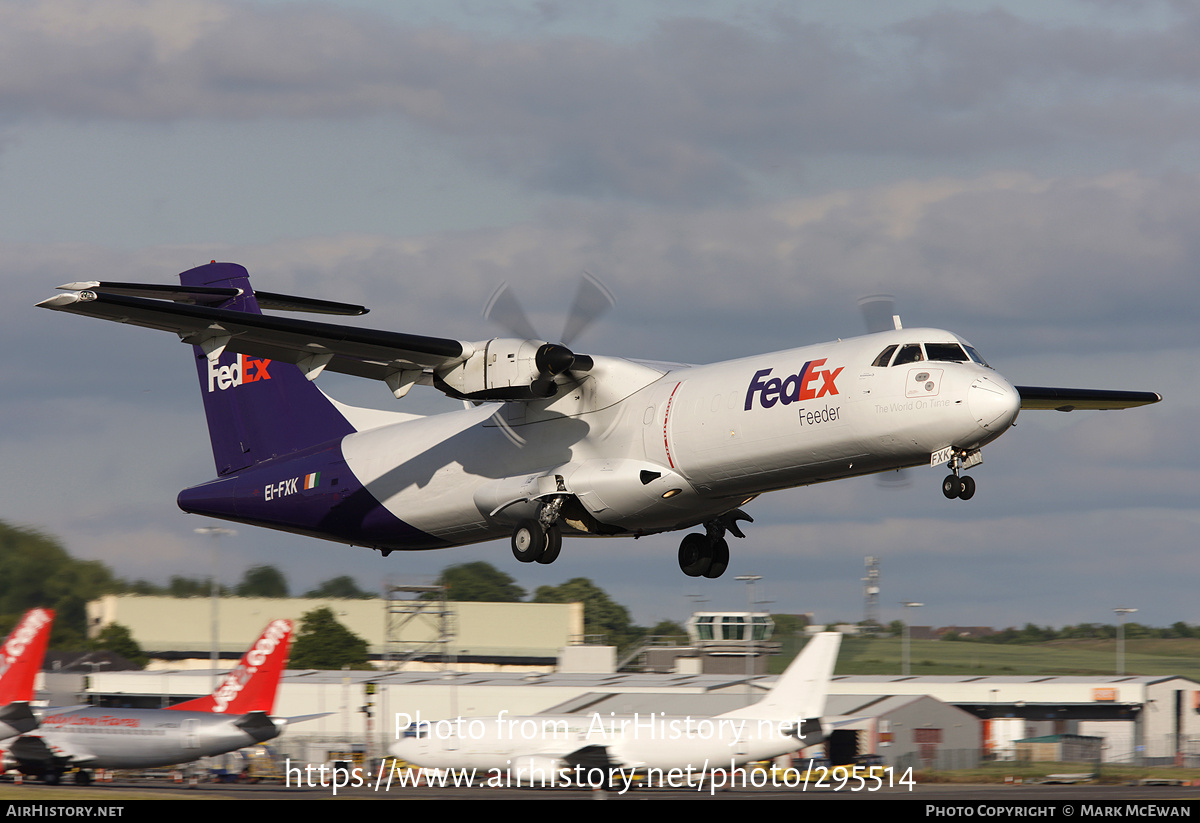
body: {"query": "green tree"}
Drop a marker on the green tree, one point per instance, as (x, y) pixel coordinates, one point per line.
(179, 586)
(262, 581)
(479, 581)
(601, 615)
(343, 587)
(35, 570)
(324, 643)
(118, 639)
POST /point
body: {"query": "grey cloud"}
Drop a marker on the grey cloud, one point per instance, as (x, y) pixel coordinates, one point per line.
(688, 114)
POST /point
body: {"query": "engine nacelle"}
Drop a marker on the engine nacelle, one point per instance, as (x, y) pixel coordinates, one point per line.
(507, 369)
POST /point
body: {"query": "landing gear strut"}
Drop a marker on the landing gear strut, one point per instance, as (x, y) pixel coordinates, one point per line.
(707, 555)
(956, 484)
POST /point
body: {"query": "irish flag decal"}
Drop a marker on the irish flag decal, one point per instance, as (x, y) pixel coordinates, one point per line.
(311, 480)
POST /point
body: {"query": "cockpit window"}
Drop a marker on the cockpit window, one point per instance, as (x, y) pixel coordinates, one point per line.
(946, 351)
(419, 730)
(976, 357)
(909, 354)
(884, 356)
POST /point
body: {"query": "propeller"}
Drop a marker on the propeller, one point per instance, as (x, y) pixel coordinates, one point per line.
(592, 301)
(879, 312)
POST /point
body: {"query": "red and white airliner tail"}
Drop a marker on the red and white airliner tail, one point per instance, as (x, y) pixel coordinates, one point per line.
(252, 684)
(22, 654)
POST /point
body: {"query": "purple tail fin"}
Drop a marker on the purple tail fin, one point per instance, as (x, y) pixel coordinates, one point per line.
(256, 408)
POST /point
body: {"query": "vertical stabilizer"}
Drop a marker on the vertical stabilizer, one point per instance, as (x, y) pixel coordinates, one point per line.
(802, 688)
(22, 654)
(251, 686)
(257, 408)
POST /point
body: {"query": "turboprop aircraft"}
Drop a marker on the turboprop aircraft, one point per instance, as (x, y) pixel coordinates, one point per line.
(552, 442)
(566, 750)
(235, 715)
(21, 659)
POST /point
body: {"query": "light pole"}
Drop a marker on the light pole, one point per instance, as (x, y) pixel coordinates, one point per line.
(748, 628)
(1121, 612)
(216, 533)
(906, 664)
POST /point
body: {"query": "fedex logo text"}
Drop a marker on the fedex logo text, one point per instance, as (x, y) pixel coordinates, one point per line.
(811, 382)
(242, 370)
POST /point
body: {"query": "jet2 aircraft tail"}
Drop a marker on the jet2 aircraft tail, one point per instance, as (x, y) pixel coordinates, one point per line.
(252, 684)
(801, 690)
(257, 408)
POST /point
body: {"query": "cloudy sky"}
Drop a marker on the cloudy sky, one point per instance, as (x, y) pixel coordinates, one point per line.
(1026, 174)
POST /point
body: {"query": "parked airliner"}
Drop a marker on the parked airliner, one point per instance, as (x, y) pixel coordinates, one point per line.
(235, 715)
(604, 749)
(552, 443)
(21, 659)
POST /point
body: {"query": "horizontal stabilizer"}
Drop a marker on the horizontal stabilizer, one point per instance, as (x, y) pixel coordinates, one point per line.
(359, 352)
(1040, 397)
(215, 295)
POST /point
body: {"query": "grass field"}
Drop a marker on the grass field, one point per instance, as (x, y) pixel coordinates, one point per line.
(1059, 657)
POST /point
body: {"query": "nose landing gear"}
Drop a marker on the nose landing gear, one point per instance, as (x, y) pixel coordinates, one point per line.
(955, 484)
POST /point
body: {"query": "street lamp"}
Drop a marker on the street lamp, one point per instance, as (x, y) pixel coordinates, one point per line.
(1121, 612)
(906, 666)
(216, 533)
(748, 628)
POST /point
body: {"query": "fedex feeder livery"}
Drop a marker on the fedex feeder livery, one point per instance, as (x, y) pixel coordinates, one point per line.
(552, 443)
(235, 715)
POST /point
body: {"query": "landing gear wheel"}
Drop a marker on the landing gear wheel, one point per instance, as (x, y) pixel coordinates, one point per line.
(695, 555)
(83, 777)
(966, 488)
(720, 559)
(528, 541)
(553, 546)
(951, 487)
(52, 777)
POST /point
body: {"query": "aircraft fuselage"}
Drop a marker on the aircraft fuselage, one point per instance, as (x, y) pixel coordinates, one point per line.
(643, 448)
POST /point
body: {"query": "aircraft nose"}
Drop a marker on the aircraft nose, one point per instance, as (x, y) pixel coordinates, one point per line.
(994, 403)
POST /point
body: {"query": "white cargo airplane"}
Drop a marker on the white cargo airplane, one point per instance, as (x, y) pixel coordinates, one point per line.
(595, 749)
(552, 443)
(235, 715)
(21, 659)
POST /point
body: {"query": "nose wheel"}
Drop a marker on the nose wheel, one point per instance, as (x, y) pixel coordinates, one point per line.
(961, 487)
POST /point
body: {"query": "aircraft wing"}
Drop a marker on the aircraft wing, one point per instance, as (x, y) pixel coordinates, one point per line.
(311, 345)
(1038, 397)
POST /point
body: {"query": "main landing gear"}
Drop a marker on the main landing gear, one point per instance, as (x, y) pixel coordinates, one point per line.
(707, 555)
(956, 484)
(539, 540)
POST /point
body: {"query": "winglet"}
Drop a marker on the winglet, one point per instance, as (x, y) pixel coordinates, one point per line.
(22, 654)
(251, 686)
(801, 690)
